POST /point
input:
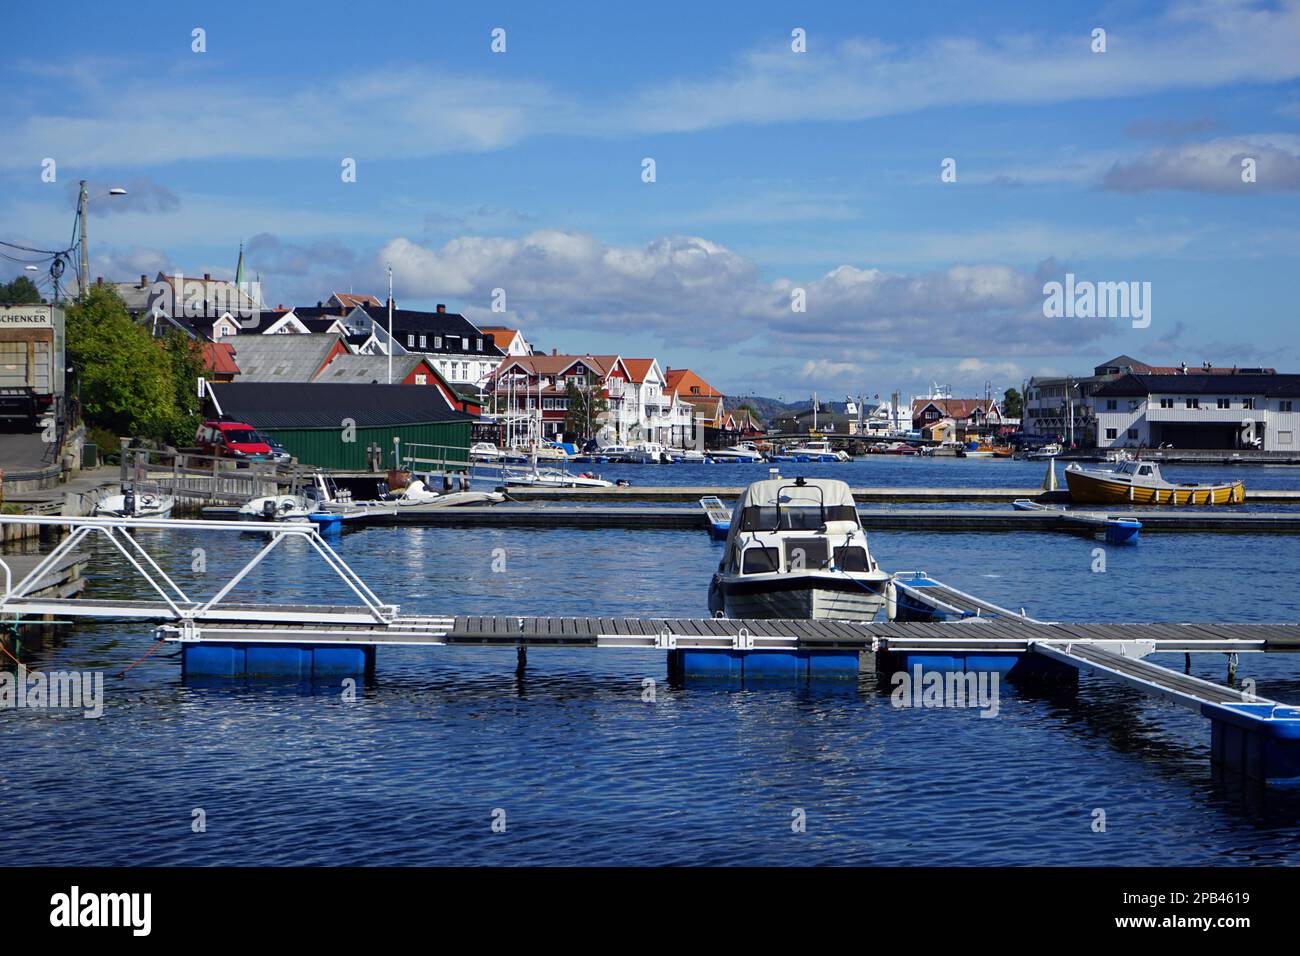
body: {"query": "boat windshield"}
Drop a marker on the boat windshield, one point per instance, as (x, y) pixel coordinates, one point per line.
(765, 517)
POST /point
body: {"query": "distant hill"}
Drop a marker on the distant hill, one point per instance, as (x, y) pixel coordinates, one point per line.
(765, 408)
(769, 409)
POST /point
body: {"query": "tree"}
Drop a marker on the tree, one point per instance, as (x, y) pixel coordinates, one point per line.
(185, 357)
(127, 379)
(22, 291)
(1012, 403)
(586, 409)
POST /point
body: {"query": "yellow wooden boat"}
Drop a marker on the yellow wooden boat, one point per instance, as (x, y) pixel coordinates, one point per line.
(1140, 482)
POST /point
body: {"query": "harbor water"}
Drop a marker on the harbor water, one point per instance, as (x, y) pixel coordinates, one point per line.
(588, 762)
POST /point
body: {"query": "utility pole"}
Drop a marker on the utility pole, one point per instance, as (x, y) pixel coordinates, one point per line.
(390, 325)
(82, 199)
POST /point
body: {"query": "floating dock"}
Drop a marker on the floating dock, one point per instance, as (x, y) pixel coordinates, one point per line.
(666, 517)
(874, 495)
(940, 630)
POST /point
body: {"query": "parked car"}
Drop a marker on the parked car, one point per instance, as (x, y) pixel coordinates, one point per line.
(279, 454)
(235, 440)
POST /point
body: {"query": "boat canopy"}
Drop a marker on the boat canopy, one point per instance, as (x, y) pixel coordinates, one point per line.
(794, 504)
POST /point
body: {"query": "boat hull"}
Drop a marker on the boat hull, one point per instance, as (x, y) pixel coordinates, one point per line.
(808, 597)
(1086, 488)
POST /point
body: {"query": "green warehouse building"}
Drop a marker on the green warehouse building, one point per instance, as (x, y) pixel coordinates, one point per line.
(333, 425)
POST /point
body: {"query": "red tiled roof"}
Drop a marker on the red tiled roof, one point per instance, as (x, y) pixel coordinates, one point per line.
(681, 381)
(219, 358)
(958, 408)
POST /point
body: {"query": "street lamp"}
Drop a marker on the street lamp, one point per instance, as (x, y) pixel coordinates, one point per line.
(82, 201)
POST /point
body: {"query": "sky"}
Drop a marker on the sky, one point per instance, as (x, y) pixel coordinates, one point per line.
(847, 198)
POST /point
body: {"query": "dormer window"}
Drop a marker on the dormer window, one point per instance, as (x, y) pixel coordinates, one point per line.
(410, 341)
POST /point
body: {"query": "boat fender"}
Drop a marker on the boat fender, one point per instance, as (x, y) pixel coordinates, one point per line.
(891, 600)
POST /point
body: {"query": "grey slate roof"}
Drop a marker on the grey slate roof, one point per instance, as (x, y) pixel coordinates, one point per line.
(314, 405)
(370, 369)
(280, 358)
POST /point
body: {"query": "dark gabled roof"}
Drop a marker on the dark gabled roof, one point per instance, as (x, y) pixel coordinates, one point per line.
(306, 312)
(1130, 386)
(318, 325)
(433, 323)
(317, 405)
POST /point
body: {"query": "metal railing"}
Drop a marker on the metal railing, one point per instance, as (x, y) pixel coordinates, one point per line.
(176, 605)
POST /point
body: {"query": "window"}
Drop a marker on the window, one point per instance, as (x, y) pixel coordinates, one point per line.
(1247, 403)
(478, 344)
(1111, 404)
(851, 559)
(1284, 406)
(1166, 403)
(1112, 433)
(1284, 438)
(1133, 434)
(760, 560)
(410, 341)
(437, 341)
(1223, 403)
(1193, 403)
(424, 341)
(421, 378)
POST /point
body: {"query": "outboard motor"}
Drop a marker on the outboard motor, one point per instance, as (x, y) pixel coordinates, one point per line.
(268, 508)
(128, 501)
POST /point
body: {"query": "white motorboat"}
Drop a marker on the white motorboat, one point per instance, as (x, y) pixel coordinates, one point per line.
(278, 508)
(326, 494)
(486, 451)
(418, 494)
(746, 451)
(688, 455)
(796, 549)
(554, 478)
(648, 453)
(133, 504)
(1050, 450)
(616, 452)
(811, 451)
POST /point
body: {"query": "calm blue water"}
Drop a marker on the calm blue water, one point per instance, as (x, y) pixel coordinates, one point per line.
(588, 773)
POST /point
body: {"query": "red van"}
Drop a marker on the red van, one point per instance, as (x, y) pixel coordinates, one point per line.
(232, 440)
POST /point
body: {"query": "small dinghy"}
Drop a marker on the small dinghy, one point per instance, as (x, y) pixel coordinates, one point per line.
(554, 478)
(133, 504)
(278, 508)
(1116, 530)
(418, 494)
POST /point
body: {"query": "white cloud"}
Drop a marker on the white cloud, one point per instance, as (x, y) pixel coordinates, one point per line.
(151, 117)
(1214, 166)
(689, 291)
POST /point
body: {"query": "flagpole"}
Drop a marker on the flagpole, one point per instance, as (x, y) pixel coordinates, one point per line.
(390, 325)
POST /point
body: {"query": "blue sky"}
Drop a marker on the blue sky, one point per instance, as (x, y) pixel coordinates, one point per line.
(775, 170)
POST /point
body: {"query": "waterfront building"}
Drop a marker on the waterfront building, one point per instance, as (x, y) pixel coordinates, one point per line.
(461, 351)
(1064, 406)
(1245, 410)
(971, 417)
(530, 395)
(307, 419)
(325, 358)
(510, 341)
